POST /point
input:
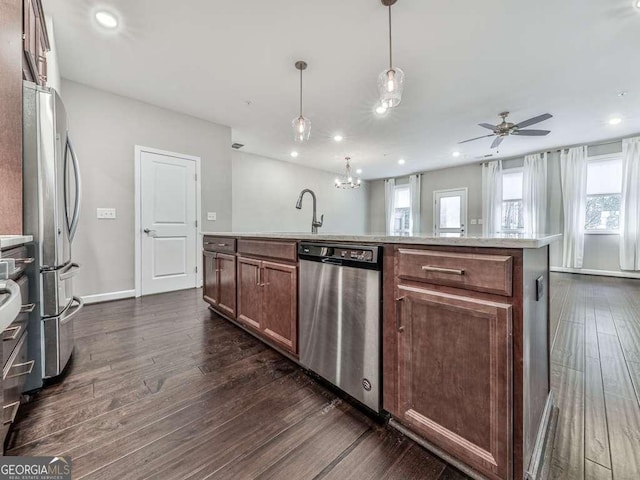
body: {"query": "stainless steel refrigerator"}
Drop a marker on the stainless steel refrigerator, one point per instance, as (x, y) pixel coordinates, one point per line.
(52, 197)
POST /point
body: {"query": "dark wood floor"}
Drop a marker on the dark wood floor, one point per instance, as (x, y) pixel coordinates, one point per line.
(162, 388)
(596, 376)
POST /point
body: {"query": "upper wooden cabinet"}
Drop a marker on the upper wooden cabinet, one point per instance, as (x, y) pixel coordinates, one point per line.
(454, 375)
(35, 42)
(268, 300)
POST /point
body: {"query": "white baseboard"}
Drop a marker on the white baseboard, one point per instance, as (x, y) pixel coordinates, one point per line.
(603, 273)
(107, 297)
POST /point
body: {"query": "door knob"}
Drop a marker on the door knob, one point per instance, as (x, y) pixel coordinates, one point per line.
(149, 232)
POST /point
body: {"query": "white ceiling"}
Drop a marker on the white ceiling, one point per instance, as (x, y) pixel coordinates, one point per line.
(464, 60)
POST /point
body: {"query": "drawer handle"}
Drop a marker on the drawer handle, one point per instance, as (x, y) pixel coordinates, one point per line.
(25, 261)
(222, 244)
(28, 308)
(16, 331)
(453, 271)
(30, 363)
(15, 406)
(399, 326)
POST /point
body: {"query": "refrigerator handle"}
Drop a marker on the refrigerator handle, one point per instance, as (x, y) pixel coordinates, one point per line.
(76, 209)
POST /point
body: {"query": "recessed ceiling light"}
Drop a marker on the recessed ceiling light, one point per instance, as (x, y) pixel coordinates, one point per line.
(401, 161)
(338, 138)
(359, 171)
(637, 4)
(381, 110)
(294, 154)
(456, 154)
(624, 94)
(106, 19)
(615, 121)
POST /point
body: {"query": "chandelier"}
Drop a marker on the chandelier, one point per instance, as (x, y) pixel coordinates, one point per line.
(347, 181)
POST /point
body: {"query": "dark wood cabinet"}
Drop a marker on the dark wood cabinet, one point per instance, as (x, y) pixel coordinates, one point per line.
(454, 375)
(250, 292)
(280, 301)
(268, 300)
(35, 42)
(219, 282)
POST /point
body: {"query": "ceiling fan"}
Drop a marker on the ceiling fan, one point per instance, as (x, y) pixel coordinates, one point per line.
(504, 129)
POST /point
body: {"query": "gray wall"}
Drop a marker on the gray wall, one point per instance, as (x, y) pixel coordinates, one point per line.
(265, 192)
(105, 128)
(466, 176)
(601, 252)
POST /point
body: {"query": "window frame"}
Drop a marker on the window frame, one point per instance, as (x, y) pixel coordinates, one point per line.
(402, 186)
(502, 227)
(601, 158)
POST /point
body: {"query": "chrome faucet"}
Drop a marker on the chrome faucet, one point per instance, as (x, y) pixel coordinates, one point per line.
(314, 222)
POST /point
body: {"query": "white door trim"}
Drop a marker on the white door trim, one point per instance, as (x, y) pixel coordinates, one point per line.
(138, 205)
(466, 207)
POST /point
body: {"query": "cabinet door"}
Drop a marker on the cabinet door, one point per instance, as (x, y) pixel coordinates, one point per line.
(30, 41)
(281, 304)
(454, 389)
(249, 292)
(227, 284)
(210, 278)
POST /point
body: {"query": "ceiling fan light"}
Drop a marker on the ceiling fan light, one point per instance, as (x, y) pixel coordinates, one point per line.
(390, 87)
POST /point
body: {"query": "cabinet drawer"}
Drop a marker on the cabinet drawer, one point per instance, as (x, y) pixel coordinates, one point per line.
(220, 244)
(13, 332)
(269, 248)
(483, 273)
(14, 375)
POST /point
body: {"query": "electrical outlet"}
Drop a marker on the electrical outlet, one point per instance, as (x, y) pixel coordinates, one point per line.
(211, 216)
(106, 213)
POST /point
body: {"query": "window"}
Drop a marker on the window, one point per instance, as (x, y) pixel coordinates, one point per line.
(402, 215)
(604, 188)
(512, 209)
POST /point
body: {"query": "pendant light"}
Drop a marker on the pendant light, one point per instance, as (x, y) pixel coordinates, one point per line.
(391, 81)
(301, 125)
(348, 181)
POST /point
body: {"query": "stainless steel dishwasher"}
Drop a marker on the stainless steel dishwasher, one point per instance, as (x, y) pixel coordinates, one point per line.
(339, 331)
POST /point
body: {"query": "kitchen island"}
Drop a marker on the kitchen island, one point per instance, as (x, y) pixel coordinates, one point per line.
(464, 334)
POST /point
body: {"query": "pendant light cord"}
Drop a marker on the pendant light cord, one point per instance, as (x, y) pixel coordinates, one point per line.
(390, 42)
(300, 92)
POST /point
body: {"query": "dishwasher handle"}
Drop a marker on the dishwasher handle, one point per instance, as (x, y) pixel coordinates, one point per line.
(332, 261)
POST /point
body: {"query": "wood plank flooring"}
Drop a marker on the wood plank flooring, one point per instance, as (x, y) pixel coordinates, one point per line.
(596, 377)
(162, 388)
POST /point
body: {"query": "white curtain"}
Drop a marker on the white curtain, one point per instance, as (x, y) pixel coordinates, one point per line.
(389, 203)
(630, 207)
(414, 194)
(534, 194)
(492, 197)
(573, 178)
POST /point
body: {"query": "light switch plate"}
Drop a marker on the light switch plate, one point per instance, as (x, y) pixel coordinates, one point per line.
(474, 221)
(106, 213)
(480, 222)
(211, 216)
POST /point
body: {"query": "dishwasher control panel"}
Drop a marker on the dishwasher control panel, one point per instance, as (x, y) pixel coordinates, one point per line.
(351, 253)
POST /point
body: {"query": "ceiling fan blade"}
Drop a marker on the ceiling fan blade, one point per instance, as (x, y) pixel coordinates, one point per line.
(477, 138)
(487, 125)
(534, 120)
(496, 143)
(531, 133)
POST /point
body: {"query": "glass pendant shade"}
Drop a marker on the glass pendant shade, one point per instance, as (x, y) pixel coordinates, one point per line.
(301, 129)
(348, 182)
(390, 87)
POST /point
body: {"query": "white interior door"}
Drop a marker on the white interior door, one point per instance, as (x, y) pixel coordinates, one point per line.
(168, 223)
(450, 212)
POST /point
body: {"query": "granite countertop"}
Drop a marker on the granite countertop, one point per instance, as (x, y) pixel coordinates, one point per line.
(14, 240)
(506, 240)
